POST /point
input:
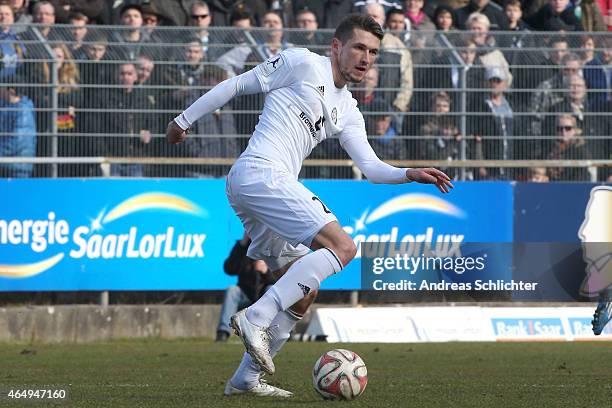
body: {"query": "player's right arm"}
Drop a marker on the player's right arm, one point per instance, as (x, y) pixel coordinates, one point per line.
(273, 73)
(354, 141)
(244, 84)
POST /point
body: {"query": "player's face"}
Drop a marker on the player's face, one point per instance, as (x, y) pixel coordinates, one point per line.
(357, 55)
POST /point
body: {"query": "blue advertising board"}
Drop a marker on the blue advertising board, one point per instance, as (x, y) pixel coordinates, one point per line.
(121, 234)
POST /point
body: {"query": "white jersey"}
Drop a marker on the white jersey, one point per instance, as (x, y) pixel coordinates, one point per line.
(302, 108)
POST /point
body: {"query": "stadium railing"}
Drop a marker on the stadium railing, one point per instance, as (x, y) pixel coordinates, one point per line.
(88, 125)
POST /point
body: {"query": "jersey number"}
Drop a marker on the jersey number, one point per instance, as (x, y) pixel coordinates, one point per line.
(325, 209)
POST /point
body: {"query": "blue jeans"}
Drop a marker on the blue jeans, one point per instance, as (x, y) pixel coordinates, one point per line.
(234, 300)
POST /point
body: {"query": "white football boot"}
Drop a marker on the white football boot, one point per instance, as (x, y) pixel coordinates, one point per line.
(255, 339)
(262, 389)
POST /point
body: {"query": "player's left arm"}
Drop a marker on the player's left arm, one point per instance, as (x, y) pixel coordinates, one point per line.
(353, 139)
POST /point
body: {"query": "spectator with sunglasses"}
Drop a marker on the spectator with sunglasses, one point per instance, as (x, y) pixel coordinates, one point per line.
(569, 145)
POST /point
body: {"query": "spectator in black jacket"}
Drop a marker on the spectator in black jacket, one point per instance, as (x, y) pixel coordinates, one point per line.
(254, 277)
(558, 15)
(497, 19)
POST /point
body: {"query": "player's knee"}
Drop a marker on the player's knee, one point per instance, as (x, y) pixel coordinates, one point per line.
(346, 250)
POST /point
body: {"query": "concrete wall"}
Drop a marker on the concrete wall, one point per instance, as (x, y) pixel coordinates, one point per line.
(85, 323)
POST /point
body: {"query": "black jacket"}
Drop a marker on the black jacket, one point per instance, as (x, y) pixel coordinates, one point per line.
(498, 19)
(252, 283)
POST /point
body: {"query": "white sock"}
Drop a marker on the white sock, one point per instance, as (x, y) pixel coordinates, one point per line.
(247, 373)
(304, 276)
(281, 328)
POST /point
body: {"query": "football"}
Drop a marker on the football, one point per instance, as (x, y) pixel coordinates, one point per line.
(340, 374)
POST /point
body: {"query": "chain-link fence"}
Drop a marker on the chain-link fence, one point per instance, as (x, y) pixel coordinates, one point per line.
(95, 101)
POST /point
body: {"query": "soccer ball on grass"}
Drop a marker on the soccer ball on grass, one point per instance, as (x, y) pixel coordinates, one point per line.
(340, 374)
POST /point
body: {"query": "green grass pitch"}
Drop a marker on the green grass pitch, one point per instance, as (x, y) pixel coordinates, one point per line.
(192, 373)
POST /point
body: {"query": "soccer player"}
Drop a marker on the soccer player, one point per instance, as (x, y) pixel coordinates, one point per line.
(306, 101)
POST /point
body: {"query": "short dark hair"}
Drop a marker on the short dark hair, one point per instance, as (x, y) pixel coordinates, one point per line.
(240, 14)
(516, 3)
(352, 22)
(394, 11)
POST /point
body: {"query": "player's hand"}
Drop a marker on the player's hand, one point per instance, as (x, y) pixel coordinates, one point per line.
(174, 133)
(431, 176)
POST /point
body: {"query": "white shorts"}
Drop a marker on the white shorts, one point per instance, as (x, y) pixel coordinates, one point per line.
(279, 214)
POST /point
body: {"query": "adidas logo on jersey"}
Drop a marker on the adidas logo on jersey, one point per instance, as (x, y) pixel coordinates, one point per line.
(305, 289)
(321, 89)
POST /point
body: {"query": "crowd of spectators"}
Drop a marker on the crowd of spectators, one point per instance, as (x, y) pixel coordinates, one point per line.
(454, 79)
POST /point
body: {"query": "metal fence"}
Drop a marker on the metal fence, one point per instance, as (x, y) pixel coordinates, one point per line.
(95, 101)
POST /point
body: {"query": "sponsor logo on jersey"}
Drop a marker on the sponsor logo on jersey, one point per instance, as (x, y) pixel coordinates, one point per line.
(271, 65)
(321, 89)
(309, 125)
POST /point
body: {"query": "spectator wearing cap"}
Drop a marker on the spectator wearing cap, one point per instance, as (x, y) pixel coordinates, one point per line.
(497, 19)
(492, 123)
(17, 128)
(310, 37)
(557, 15)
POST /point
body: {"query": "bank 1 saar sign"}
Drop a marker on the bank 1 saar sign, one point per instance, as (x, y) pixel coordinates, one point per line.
(114, 234)
(410, 214)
